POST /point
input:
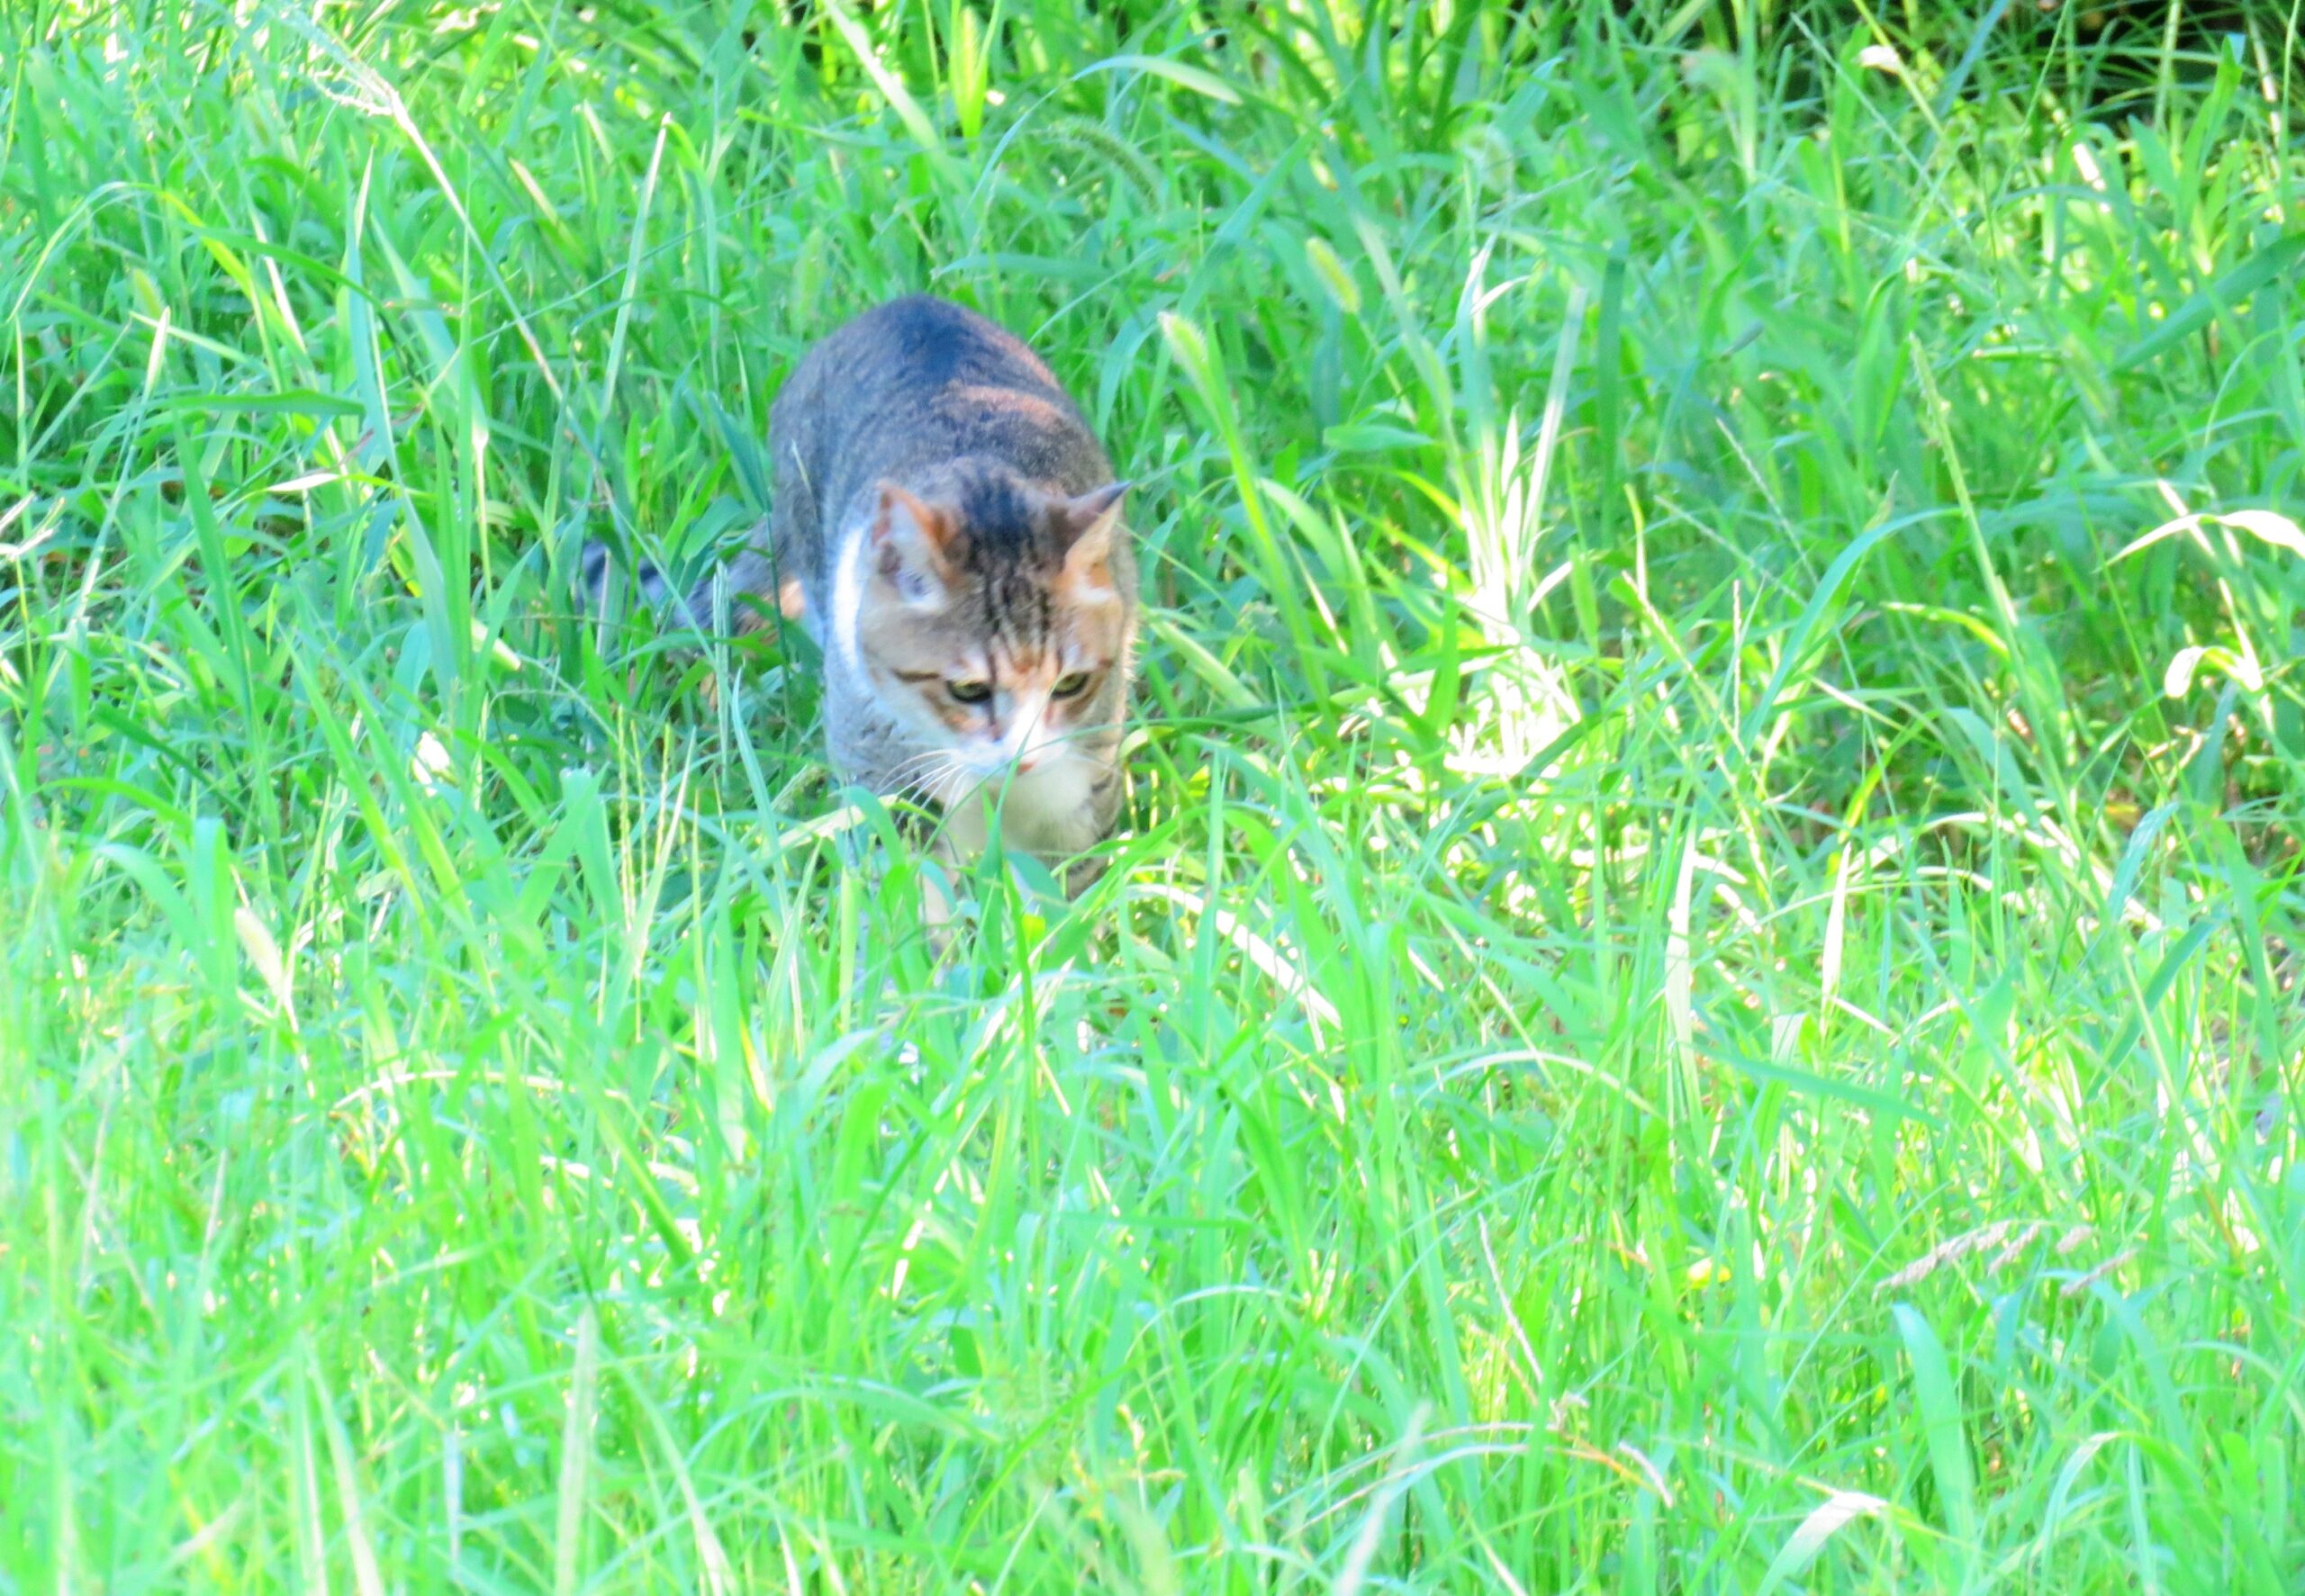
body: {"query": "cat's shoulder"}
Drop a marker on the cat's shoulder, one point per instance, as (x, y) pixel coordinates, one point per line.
(924, 329)
(929, 308)
(915, 317)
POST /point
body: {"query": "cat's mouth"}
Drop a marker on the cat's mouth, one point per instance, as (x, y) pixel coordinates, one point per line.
(1039, 806)
(1038, 762)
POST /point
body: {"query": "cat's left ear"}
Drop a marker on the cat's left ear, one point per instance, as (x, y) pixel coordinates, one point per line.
(1085, 524)
(912, 541)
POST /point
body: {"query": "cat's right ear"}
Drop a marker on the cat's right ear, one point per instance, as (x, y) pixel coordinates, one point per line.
(1085, 526)
(911, 540)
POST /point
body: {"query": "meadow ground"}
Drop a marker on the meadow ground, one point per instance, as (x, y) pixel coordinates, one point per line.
(1699, 993)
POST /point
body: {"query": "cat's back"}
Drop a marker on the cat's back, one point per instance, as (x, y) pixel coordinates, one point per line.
(922, 341)
(919, 379)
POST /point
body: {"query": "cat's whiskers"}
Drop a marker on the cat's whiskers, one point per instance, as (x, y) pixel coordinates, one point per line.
(928, 775)
(906, 775)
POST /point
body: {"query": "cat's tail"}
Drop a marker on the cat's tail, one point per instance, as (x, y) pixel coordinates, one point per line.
(596, 571)
(748, 582)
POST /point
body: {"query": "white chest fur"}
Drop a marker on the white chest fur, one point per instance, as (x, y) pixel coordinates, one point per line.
(1045, 812)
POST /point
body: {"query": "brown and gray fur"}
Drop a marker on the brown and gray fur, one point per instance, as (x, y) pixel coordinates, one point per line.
(945, 525)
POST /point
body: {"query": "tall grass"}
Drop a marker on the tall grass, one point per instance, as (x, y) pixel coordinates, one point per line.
(1699, 994)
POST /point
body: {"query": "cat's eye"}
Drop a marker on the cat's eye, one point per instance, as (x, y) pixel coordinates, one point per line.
(968, 690)
(1070, 686)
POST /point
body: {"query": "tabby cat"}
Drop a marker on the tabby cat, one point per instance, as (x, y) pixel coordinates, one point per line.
(948, 530)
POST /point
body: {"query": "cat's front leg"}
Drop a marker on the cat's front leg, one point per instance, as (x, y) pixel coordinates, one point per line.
(1101, 807)
(1084, 873)
(952, 849)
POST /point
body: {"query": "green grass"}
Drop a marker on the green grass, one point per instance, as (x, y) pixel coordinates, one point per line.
(1700, 990)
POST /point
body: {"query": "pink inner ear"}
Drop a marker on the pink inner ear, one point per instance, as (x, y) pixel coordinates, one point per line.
(1089, 515)
(912, 543)
(902, 512)
(1087, 565)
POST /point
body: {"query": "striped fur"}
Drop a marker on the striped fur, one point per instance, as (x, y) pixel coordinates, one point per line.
(947, 528)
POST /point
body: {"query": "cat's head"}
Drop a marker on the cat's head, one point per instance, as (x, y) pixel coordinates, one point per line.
(994, 620)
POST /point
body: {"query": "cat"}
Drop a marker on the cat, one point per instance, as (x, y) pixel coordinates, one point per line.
(949, 531)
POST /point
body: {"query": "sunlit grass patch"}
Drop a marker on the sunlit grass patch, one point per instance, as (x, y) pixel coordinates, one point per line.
(1699, 992)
